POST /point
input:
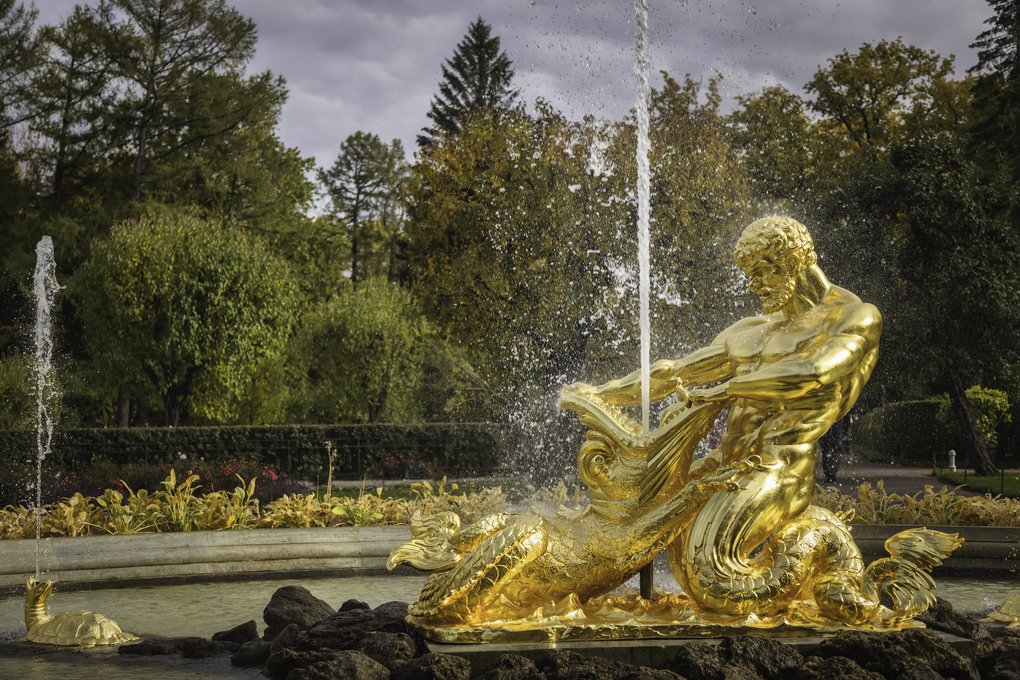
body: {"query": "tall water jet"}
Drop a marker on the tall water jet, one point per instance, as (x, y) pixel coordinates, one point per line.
(642, 67)
(44, 284)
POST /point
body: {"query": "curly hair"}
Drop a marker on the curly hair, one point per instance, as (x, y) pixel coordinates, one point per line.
(785, 239)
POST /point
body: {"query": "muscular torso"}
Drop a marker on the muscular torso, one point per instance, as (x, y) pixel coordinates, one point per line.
(754, 344)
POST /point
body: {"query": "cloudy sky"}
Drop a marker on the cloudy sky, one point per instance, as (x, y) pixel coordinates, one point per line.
(374, 65)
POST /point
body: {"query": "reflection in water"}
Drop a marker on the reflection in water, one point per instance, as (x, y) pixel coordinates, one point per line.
(201, 609)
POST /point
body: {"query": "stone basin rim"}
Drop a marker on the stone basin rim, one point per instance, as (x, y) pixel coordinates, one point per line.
(206, 556)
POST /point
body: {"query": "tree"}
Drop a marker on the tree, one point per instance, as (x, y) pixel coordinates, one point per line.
(359, 357)
(863, 92)
(960, 260)
(997, 90)
(182, 63)
(477, 78)
(699, 194)
(523, 247)
(71, 105)
(362, 185)
(187, 307)
(20, 50)
(776, 138)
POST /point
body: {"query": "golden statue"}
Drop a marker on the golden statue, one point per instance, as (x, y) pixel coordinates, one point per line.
(79, 628)
(744, 541)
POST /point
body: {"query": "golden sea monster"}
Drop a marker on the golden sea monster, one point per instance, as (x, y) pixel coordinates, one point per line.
(79, 628)
(744, 542)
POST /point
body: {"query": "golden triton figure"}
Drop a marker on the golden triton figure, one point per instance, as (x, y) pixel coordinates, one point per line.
(744, 541)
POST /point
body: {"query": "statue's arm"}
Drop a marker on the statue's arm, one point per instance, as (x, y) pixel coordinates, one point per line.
(854, 333)
(707, 365)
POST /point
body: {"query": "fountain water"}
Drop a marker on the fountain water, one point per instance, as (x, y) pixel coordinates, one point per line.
(642, 67)
(45, 286)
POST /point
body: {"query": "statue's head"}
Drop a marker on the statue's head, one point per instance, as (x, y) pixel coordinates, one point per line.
(772, 252)
(610, 471)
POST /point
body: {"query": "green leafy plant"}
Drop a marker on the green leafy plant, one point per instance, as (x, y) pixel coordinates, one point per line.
(991, 409)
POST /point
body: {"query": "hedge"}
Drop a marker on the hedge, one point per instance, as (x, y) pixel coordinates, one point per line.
(903, 432)
(299, 450)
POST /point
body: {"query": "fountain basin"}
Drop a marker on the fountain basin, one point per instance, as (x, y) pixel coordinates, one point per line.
(105, 561)
(139, 559)
(986, 551)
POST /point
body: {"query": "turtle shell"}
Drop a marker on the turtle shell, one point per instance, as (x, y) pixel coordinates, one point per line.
(79, 628)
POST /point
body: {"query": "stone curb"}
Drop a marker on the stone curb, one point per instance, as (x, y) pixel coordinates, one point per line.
(139, 559)
(985, 551)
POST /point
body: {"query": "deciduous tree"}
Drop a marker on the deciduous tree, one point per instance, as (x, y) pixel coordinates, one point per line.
(188, 306)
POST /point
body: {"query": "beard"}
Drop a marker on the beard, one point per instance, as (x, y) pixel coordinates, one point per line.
(774, 299)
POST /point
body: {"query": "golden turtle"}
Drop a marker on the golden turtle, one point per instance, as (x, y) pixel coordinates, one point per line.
(79, 628)
(1007, 613)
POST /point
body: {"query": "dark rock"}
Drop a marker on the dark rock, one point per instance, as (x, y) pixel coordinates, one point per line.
(392, 610)
(347, 665)
(1002, 663)
(282, 662)
(392, 650)
(435, 667)
(891, 654)
(734, 672)
(252, 654)
(699, 661)
(833, 668)
(154, 647)
(246, 632)
(942, 616)
(770, 658)
(288, 638)
(344, 630)
(572, 666)
(920, 672)
(511, 667)
(200, 648)
(293, 604)
(353, 604)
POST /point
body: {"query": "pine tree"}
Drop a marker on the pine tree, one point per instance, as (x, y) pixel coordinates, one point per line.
(477, 78)
(998, 86)
(20, 50)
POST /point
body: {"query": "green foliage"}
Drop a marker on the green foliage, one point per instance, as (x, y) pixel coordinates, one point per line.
(20, 50)
(360, 357)
(775, 134)
(925, 508)
(991, 409)
(901, 432)
(523, 243)
(863, 91)
(364, 184)
(15, 393)
(188, 306)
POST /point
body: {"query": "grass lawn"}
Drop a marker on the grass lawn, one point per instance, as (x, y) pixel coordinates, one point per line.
(1007, 484)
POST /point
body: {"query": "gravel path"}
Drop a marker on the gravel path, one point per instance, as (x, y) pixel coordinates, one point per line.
(855, 469)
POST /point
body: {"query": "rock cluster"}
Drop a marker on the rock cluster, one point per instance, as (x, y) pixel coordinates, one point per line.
(306, 639)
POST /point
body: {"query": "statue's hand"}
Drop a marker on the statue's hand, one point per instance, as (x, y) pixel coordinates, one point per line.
(726, 474)
(709, 394)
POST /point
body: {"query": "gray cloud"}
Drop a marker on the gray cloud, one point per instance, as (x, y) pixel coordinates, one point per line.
(373, 65)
